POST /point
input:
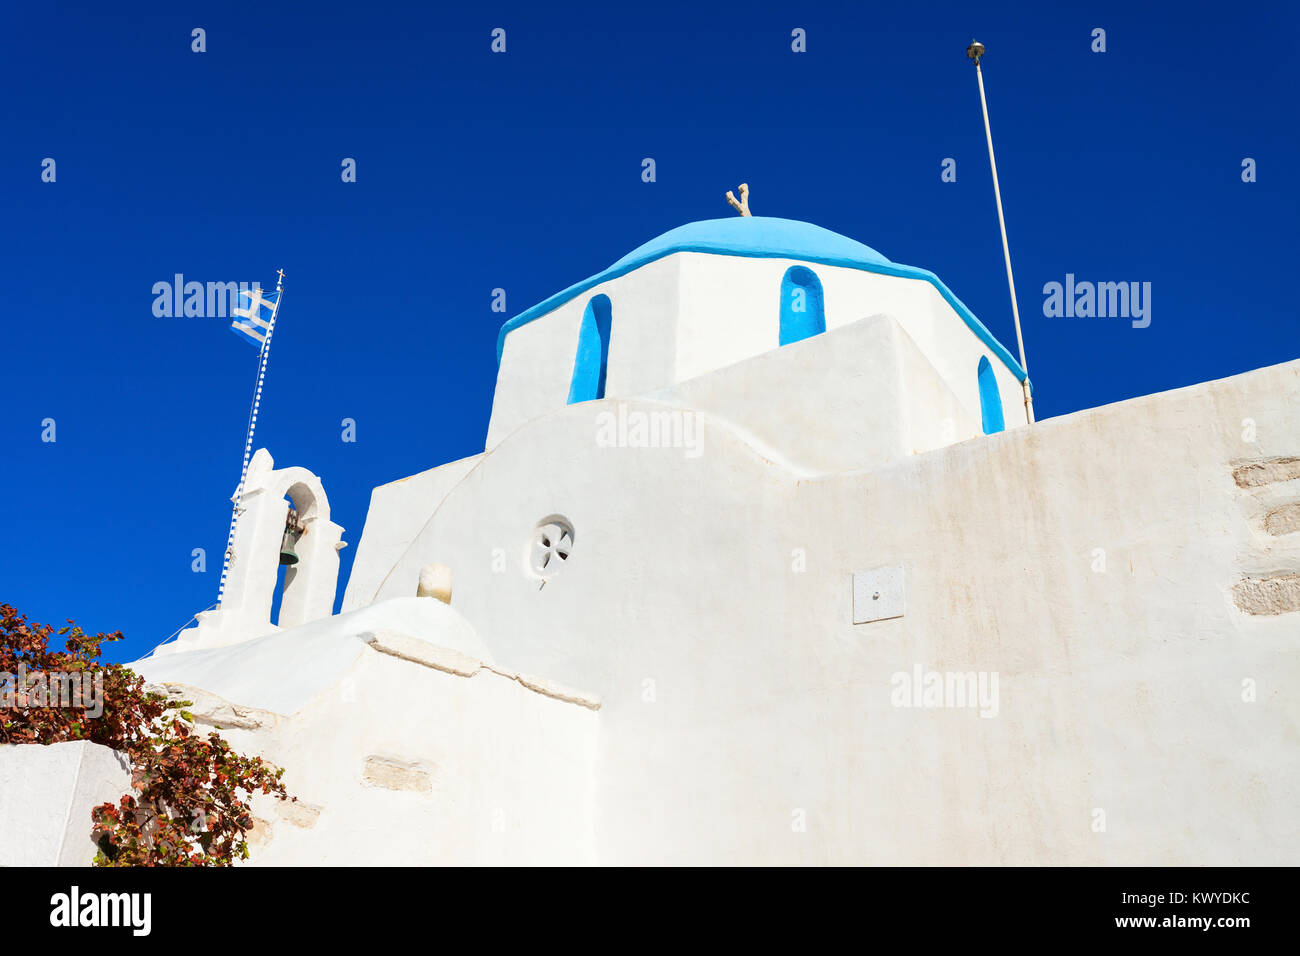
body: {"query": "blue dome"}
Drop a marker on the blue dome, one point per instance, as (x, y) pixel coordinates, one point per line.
(766, 238)
(760, 236)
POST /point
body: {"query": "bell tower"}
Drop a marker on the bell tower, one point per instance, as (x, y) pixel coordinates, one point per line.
(271, 531)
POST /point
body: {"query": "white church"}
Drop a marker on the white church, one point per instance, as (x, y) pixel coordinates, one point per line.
(763, 562)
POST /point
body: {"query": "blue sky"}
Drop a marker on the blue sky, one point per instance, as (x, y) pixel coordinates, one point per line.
(522, 171)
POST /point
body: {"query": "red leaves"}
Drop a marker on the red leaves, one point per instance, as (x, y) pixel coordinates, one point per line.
(185, 809)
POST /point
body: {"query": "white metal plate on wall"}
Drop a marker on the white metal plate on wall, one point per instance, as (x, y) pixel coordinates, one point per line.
(878, 594)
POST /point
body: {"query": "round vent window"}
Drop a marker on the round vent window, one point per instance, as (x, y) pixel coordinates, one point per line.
(552, 544)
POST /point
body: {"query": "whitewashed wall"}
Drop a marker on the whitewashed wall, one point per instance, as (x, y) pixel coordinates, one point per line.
(860, 396)
(46, 795)
(689, 314)
(537, 362)
(1121, 689)
(397, 512)
(404, 742)
(730, 311)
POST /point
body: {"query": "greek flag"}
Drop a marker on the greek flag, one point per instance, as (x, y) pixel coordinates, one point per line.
(253, 329)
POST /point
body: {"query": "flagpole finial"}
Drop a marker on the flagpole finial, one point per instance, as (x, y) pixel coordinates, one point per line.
(279, 284)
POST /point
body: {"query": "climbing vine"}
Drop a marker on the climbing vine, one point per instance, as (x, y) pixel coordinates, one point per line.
(189, 799)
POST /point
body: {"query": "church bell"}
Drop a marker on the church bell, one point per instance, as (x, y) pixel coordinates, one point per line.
(293, 530)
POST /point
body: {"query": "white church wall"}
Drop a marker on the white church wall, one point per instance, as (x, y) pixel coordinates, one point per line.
(401, 751)
(730, 311)
(397, 512)
(644, 304)
(957, 355)
(846, 414)
(425, 767)
(46, 795)
(536, 366)
(688, 314)
(275, 672)
(859, 396)
(708, 601)
(534, 371)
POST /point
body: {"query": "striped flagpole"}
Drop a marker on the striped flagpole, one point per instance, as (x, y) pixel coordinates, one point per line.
(248, 442)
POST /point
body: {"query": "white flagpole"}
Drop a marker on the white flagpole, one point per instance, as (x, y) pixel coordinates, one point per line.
(975, 51)
(248, 443)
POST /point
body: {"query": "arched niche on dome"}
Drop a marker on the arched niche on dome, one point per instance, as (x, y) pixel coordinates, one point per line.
(591, 360)
(803, 305)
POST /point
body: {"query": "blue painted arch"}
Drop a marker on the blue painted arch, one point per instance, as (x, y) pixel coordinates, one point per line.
(803, 307)
(591, 361)
(990, 398)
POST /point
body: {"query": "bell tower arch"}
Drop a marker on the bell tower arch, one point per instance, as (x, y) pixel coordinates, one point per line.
(309, 583)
